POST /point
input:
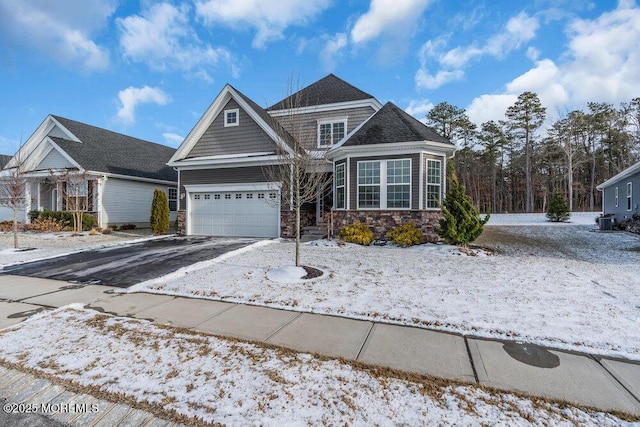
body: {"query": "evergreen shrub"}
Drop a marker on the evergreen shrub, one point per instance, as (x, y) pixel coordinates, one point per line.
(356, 233)
(406, 235)
(159, 220)
(558, 209)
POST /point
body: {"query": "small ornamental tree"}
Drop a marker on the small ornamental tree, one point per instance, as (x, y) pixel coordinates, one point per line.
(461, 223)
(558, 209)
(159, 220)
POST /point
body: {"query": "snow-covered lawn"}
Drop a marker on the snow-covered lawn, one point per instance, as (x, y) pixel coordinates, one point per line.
(559, 285)
(237, 383)
(34, 246)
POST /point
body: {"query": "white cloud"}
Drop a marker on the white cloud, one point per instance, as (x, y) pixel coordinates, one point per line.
(518, 30)
(388, 17)
(61, 30)
(162, 38)
(425, 80)
(601, 64)
(172, 139)
(490, 107)
(419, 108)
(332, 50)
(131, 97)
(269, 17)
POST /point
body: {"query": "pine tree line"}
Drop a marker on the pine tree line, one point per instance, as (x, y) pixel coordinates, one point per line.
(515, 165)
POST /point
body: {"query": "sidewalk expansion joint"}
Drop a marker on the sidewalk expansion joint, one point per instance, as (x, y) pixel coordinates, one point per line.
(622, 384)
(293, 319)
(473, 365)
(365, 343)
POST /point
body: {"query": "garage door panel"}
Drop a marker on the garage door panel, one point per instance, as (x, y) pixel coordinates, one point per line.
(236, 213)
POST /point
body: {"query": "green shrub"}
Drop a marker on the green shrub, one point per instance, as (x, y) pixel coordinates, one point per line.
(558, 209)
(159, 220)
(356, 233)
(66, 218)
(460, 223)
(406, 235)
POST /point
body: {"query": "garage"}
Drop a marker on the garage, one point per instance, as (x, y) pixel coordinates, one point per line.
(238, 213)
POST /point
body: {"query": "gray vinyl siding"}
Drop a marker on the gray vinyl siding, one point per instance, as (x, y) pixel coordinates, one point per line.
(608, 198)
(415, 177)
(243, 175)
(305, 126)
(247, 137)
(54, 160)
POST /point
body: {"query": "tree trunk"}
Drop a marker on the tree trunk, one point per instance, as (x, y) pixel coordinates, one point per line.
(15, 227)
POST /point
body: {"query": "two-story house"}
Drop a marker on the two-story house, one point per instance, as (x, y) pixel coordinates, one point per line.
(388, 168)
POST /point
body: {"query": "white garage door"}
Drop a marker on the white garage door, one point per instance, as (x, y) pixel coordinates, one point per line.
(235, 213)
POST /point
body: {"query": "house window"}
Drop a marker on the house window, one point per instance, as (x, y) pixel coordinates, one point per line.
(231, 117)
(196, 197)
(398, 183)
(227, 196)
(216, 197)
(172, 196)
(331, 132)
(340, 187)
(384, 184)
(207, 196)
(616, 196)
(260, 195)
(629, 202)
(434, 183)
(368, 185)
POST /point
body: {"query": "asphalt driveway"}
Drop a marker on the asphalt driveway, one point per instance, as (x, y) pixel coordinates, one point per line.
(126, 265)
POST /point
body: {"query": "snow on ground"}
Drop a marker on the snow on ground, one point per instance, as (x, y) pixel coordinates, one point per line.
(557, 285)
(238, 383)
(577, 218)
(34, 246)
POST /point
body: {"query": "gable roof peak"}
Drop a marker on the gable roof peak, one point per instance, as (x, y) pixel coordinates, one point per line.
(328, 90)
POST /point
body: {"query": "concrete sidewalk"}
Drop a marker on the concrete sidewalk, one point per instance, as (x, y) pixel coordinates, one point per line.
(603, 383)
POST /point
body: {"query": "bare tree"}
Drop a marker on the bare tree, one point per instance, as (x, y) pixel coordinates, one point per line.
(13, 191)
(301, 172)
(76, 193)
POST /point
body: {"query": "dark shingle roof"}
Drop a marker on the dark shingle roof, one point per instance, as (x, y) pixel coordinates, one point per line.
(4, 159)
(390, 124)
(329, 90)
(104, 151)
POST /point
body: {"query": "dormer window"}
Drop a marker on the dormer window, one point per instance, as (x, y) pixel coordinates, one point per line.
(231, 117)
(330, 132)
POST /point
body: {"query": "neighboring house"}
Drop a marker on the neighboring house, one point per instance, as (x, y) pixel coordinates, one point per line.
(120, 172)
(621, 194)
(388, 168)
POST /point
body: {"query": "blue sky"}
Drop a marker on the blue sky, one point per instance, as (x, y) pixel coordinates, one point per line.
(150, 69)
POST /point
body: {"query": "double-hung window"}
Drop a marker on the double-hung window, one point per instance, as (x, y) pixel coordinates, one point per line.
(340, 186)
(629, 201)
(398, 183)
(331, 132)
(384, 184)
(434, 183)
(172, 196)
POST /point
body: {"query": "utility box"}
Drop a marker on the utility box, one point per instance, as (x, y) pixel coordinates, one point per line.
(606, 223)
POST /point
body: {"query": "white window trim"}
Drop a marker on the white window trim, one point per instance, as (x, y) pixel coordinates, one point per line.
(232, 110)
(617, 198)
(427, 184)
(383, 185)
(344, 186)
(629, 196)
(331, 122)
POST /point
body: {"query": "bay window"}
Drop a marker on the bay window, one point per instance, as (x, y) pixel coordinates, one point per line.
(434, 183)
(384, 184)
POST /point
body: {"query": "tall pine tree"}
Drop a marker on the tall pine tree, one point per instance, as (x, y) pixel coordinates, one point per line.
(461, 223)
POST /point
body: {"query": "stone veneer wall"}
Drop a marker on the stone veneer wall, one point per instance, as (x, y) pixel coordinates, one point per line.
(381, 222)
(182, 222)
(288, 222)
